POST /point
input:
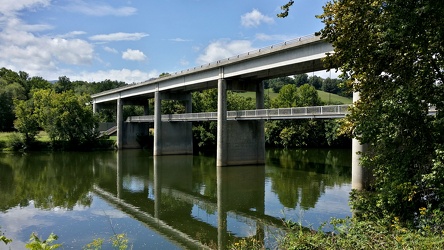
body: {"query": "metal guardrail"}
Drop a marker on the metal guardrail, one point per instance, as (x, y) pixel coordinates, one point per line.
(331, 111)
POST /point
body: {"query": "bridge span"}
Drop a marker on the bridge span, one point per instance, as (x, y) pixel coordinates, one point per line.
(243, 72)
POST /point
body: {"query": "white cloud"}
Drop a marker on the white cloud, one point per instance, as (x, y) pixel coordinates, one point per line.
(73, 34)
(20, 49)
(110, 50)
(223, 49)
(99, 9)
(119, 36)
(180, 40)
(10, 7)
(124, 75)
(133, 55)
(255, 18)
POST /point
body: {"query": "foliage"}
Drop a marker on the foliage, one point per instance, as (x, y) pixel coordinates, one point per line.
(15, 142)
(4, 239)
(298, 133)
(27, 120)
(65, 117)
(391, 52)
(204, 133)
(247, 243)
(35, 243)
(285, 9)
(96, 244)
(354, 234)
(119, 241)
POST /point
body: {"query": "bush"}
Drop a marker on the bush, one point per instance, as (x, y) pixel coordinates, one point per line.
(15, 142)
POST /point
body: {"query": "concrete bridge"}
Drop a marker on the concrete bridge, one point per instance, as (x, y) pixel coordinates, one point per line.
(239, 141)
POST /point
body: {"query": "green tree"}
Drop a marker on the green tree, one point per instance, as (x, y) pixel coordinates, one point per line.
(301, 79)
(392, 53)
(63, 84)
(315, 81)
(65, 117)
(292, 96)
(37, 82)
(27, 121)
(10, 89)
(277, 83)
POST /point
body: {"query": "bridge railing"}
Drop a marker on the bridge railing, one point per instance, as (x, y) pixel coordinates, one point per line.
(331, 111)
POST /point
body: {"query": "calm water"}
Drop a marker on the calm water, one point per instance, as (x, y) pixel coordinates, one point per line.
(168, 202)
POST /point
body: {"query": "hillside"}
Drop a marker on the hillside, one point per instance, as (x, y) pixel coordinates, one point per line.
(327, 98)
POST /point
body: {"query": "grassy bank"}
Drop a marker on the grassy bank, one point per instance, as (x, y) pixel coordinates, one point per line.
(11, 141)
(326, 98)
(352, 234)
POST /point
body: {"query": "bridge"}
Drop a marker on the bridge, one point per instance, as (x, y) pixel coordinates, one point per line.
(240, 141)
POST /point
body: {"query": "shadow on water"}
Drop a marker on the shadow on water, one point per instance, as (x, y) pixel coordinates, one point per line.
(185, 199)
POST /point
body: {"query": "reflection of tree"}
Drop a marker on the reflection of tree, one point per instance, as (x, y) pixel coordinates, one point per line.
(49, 180)
(306, 174)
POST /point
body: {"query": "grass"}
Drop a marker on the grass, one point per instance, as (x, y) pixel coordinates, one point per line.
(333, 98)
(41, 136)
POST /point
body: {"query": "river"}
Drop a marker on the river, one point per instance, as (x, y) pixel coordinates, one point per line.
(168, 202)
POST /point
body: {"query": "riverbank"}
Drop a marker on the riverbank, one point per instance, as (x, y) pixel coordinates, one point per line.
(12, 141)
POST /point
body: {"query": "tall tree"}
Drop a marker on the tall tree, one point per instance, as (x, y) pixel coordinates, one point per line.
(392, 53)
(64, 116)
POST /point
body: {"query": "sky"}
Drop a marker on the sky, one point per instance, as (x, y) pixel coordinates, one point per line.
(135, 40)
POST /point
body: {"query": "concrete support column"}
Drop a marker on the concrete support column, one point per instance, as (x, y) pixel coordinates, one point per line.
(221, 158)
(360, 176)
(157, 124)
(95, 107)
(119, 123)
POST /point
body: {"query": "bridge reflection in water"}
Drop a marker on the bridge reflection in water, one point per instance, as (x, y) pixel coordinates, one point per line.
(187, 215)
(193, 205)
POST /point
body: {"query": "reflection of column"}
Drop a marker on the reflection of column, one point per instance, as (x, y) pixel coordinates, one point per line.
(260, 104)
(222, 240)
(119, 172)
(157, 124)
(157, 187)
(241, 190)
(221, 159)
(119, 123)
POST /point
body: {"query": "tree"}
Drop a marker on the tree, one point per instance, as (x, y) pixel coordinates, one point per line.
(65, 117)
(63, 84)
(301, 79)
(392, 53)
(295, 133)
(27, 120)
(292, 96)
(277, 83)
(315, 81)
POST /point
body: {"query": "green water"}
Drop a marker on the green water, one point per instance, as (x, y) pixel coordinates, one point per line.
(168, 202)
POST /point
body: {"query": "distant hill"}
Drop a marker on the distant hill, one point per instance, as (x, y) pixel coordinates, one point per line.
(327, 98)
(333, 98)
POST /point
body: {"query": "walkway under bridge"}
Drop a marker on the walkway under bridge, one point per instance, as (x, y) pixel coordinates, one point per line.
(313, 112)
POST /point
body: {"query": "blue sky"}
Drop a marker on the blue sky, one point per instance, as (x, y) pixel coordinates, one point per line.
(134, 40)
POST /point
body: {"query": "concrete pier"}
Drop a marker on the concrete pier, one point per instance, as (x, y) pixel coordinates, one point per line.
(172, 138)
(360, 176)
(239, 142)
